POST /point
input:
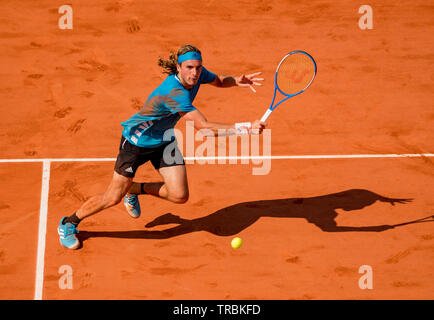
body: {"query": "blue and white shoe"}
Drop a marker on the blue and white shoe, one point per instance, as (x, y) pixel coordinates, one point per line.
(131, 202)
(67, 233)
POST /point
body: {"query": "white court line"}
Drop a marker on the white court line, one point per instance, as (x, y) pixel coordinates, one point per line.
(39, 282)
(337, 156)
(40, 261)
(56, 160)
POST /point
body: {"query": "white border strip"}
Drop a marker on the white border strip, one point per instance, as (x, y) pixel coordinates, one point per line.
(39, 282)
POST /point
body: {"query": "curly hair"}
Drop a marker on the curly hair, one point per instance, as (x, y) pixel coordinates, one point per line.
(169, 65)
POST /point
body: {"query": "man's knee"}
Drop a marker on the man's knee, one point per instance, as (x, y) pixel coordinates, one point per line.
(117, 190)
(179, 197)
(112, 200)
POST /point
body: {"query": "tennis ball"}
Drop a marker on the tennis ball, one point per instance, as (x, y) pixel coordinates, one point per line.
(236, 242)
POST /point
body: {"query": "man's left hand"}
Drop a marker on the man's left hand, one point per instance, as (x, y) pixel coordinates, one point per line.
(249, 80)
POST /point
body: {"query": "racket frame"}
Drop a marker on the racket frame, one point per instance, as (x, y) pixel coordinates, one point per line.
(276, 87)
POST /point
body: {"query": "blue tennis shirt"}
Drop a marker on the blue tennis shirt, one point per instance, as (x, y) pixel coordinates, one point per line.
(161, 111)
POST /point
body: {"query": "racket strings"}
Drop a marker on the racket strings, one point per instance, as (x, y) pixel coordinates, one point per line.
(295, 73)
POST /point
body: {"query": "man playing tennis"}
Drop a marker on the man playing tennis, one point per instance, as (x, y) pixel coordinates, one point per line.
(143, 139)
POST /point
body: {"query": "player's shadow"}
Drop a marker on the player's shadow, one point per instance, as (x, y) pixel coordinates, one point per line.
(229, 221)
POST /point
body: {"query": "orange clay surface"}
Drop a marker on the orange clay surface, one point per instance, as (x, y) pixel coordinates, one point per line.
(307, 226)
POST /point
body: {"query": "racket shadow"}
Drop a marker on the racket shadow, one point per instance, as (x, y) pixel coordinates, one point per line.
(229, 221)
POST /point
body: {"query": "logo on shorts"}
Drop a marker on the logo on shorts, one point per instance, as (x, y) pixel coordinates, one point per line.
(129, 170)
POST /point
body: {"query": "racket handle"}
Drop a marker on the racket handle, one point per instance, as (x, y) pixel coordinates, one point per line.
(266, 115)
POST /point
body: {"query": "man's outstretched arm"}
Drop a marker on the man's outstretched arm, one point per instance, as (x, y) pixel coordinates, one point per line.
(200, 123)
(249, 80)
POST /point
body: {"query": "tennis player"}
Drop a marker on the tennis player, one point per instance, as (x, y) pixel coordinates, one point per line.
(143, 139)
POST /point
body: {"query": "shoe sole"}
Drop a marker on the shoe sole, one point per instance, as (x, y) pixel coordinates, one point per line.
(74, 247)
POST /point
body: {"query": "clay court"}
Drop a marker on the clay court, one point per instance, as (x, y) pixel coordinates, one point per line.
(350, 157)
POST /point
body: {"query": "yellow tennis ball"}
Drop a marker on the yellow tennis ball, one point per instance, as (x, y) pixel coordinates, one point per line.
(236, 242)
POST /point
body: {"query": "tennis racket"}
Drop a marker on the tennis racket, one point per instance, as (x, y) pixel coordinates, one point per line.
(294, 74)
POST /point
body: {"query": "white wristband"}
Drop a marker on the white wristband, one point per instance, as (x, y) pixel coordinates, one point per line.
(240, 127)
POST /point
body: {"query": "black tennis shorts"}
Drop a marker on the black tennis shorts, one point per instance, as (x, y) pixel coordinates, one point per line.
(131, 157)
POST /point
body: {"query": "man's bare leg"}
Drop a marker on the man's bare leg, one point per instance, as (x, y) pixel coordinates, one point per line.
(113, 195)
(174, 187)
